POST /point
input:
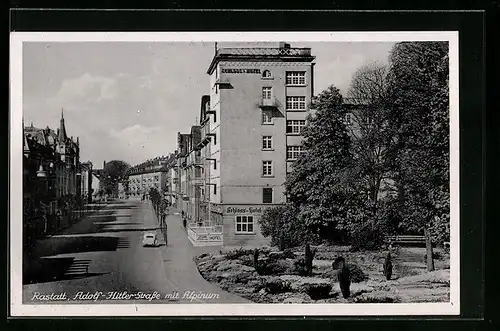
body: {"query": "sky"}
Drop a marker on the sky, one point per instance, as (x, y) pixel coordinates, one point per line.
(127, 100)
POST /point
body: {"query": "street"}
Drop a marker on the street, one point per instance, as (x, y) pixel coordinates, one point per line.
(101, 259)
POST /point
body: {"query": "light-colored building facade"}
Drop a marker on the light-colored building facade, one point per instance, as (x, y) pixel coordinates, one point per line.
(250, 127)
(150, 174)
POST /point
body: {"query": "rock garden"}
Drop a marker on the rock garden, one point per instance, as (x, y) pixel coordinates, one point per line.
(309, 275)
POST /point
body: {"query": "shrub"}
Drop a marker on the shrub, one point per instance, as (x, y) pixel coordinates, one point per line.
(357, 275)
(317, 291)
(276, 285)
(368, 238)
(237, 253)
(273, 267)
(299, 266)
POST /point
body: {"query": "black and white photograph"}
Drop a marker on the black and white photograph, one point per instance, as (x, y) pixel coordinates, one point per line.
(234, 173)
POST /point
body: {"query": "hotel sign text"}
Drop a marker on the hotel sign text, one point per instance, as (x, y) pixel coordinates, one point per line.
(249, 210)
(240, 71)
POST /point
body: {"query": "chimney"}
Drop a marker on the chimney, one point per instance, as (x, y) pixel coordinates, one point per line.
(104, 165)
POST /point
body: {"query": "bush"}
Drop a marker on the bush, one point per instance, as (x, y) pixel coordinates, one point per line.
(317, 291)
(276, 285)
(237, 253)
(273, 267)
(368, 238)
(357, 275)
(299, 266)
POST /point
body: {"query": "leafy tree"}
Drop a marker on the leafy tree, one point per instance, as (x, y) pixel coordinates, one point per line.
(114, 172)
(370, 131)
(280, 223)
(319, 187)
(419, 93)
(372, 136)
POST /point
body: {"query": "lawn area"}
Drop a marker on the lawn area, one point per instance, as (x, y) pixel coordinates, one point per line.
(278, 280)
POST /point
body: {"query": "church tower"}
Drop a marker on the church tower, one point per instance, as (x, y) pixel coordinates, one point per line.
(62, 137)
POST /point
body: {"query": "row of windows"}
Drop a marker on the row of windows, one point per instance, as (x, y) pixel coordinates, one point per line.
(292, 126)
(138, 180)
(292, 102)
(292, 152)
(291, 77)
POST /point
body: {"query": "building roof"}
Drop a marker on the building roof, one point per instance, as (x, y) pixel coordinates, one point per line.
(157, 164)
(281, 53)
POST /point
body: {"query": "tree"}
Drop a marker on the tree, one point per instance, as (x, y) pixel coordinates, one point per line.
(419, 93)
(155, 198)
(114, 172)
(319, 187)
(370, 132)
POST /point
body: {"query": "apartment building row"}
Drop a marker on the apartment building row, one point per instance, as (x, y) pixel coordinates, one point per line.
(232, 165)
(154, 173)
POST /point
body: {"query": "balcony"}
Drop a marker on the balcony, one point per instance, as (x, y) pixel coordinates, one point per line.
(269, 103)
(223, 83)
(206, 135)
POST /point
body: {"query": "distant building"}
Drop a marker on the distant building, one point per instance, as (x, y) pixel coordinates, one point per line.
(150, 174)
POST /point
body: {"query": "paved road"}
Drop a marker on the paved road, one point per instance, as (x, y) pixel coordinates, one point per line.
(101, 260)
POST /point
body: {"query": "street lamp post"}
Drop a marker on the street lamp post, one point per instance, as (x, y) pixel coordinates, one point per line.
(79, 180)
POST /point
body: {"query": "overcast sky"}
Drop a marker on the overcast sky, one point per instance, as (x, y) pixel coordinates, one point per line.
(127, 101)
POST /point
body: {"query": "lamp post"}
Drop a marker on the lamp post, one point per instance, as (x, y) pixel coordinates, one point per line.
(46, 177)
(79, 193)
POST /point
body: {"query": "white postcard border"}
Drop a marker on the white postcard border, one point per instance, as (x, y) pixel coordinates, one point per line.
(19, 309)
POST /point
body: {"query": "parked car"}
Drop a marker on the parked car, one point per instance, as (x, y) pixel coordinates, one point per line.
(149, 239)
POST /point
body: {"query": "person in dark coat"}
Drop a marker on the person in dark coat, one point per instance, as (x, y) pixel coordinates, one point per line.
(388, 266)
(344, 276)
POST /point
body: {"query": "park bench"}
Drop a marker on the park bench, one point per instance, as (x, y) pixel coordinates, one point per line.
(407, 240)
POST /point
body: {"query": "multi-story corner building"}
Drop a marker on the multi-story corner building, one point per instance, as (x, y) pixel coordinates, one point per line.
(150, 174)
(191, 171)
(251, 134)
(51, 175)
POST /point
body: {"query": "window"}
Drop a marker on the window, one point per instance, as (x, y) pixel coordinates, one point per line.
(296, 78)
(215, 189)
(295, 126)
(267, 92)
(267, 117)
(267, 168)
(292, 152)
(244, 224)
(215, 164)
(267, 195)
(296, 103)
(266, 74)
(348, 119)
(267, 142)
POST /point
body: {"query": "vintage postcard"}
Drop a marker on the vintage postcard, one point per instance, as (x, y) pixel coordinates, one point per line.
(234, 174)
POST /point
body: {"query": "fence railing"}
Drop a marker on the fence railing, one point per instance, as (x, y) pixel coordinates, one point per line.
(205, 235)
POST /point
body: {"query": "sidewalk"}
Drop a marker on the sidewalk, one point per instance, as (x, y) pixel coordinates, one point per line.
(180, 268)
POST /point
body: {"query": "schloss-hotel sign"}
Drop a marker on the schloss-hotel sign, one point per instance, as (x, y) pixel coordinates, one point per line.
(240, 71)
